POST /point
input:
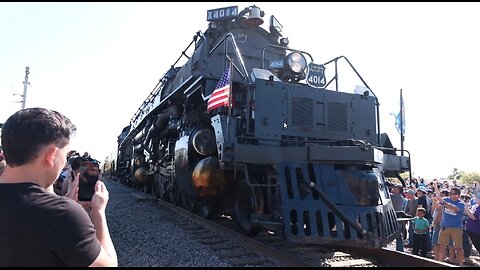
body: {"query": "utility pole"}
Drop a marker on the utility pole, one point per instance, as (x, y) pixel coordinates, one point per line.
(25, 84)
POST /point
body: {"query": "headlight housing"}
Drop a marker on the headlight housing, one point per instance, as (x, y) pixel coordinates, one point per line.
(290, 68)
(296, 62)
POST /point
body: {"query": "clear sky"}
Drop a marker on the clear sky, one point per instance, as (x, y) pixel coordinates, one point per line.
(97, 62)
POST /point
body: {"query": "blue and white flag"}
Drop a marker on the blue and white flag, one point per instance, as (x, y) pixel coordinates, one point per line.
(400, 117)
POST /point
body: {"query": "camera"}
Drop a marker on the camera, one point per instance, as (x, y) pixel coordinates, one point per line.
(89, 174)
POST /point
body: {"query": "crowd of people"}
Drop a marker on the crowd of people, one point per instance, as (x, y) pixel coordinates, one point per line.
(438, 218)
(39, 227)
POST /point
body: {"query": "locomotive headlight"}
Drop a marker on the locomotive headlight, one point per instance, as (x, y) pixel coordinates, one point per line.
(290, 68)
(296, 62)
(204, 142)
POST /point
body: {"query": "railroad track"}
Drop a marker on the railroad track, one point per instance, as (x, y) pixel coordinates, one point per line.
(221, 235)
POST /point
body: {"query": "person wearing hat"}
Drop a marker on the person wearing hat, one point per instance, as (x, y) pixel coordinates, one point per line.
(472, 226)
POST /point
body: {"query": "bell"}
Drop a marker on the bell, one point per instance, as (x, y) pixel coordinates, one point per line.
(254, 18)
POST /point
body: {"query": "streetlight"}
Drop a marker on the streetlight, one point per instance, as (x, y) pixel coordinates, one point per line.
(25, 84)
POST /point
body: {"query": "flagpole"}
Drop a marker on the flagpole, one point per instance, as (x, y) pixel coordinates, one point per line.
(230, 89)
(229, 98)
(402, 137)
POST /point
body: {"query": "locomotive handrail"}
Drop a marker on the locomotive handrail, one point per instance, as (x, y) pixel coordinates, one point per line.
(230, 37)
(377, 104)
(282, 47)
(164, 78)
(409, 165)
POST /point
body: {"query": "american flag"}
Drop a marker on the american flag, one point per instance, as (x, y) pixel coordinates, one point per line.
(221, 94)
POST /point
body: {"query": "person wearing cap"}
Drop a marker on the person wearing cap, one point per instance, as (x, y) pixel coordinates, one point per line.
(467, 244)
(451, 224)
(411, 210)
(425, 202)
(437, 218)
(472, 226)
(399, 202)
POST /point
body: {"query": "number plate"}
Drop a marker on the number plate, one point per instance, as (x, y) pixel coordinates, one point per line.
(316, 75)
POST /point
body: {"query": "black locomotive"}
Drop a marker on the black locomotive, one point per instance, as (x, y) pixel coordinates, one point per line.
(254, 129)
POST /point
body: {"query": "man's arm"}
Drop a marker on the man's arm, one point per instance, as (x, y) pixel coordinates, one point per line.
(450, 206)
(108, 255)
(469, 213)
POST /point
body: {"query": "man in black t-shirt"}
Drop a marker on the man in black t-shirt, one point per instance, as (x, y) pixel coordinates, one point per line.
(37, 227)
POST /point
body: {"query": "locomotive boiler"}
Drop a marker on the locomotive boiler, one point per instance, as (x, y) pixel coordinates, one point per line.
(252, 128)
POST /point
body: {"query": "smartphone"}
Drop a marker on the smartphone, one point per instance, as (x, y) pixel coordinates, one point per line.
(89, 172)
(85, 190)
(86, 186)
(83, 169)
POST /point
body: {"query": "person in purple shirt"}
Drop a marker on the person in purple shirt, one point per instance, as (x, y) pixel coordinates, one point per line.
(472, 226)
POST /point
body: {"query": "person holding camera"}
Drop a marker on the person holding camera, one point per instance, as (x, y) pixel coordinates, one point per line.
(88, 177)
(70, 184)
(37, 227)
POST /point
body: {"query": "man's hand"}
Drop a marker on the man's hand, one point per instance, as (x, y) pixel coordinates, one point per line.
(100, 197)
(72, 192)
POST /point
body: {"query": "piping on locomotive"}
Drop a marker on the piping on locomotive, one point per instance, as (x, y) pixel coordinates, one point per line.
(290, 152)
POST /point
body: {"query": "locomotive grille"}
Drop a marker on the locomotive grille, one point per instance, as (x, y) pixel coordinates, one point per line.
(308, 219)
(302, 112)
(337, 116)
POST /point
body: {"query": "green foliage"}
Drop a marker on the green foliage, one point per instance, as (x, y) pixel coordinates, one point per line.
(469, 178)
(456, 174)
(394, 180)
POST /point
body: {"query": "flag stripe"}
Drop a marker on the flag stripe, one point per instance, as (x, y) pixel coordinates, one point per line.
(219, 99)
(223, 100)
(221, 95)
(217, 105)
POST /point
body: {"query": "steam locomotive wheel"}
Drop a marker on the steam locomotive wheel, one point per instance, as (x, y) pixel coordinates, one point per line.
(248, 200)
(187, 203)
(158, 189)
(207, 210)
(147, 188)
(173, 195)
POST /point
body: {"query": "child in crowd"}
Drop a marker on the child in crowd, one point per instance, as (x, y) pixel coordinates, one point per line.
(421, 228)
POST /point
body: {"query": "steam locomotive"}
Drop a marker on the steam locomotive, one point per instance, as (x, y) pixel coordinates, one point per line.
(254, 129)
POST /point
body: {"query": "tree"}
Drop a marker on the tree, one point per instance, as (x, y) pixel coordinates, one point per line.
(470, 178)
(456, 174)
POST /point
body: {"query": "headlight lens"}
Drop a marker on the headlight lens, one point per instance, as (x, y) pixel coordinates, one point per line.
(297, 62)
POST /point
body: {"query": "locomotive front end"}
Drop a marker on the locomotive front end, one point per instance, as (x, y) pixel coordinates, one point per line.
(328, 175)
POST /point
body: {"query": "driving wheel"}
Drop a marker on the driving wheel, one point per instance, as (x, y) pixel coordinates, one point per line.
(248, 200)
